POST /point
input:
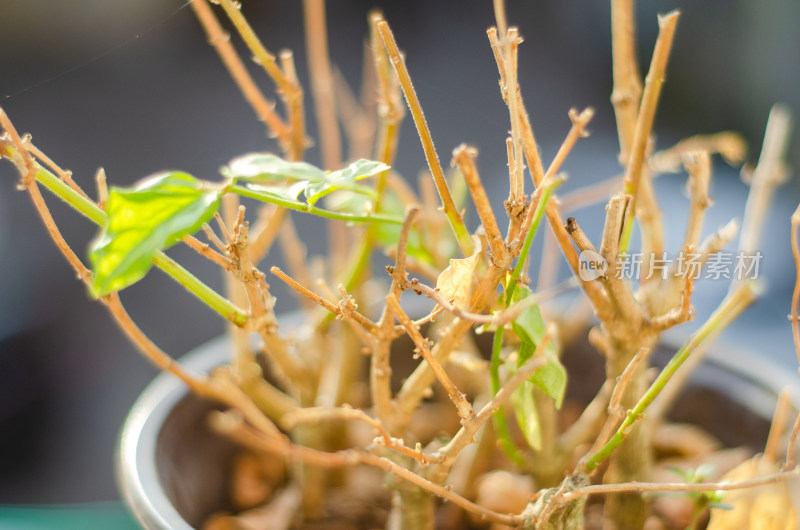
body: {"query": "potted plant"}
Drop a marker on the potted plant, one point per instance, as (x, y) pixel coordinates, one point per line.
(487, 432)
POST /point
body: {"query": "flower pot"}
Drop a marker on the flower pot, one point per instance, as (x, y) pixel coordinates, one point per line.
(171, 468)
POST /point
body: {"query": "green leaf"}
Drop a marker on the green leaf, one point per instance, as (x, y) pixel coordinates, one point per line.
(265, 168)
(144, 220)
(286, 193)
(345, 179)
(529, 327)
(270, 170)
(524, 404)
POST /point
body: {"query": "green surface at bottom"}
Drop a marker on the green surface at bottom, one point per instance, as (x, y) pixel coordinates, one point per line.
(102, 515)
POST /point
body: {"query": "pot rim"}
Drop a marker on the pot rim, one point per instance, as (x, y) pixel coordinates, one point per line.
(135, 463)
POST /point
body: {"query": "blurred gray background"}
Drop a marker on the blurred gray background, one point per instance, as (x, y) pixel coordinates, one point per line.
(134, 87)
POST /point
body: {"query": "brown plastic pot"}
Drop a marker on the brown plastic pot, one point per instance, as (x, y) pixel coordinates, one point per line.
(172, 471)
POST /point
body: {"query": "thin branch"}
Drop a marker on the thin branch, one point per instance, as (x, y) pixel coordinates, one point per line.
(593, 290)
(615, 403)
(578, 236)
(398, 272)
(292, 96)
(590, 422)
(339, 310)
(646, 115)
(63, 174)
(615, 411)
(529, 145)
(499, 318)
(220, 40)
(260, 53)
(510, 42)
(380, 368)
(212, 237)
(718, 240)
(649, 214)
(138, 338)
(768, 175)
(319, 67)
(778, 425)
(678, 486)
(456, 396)
(450, 209)
(627, 79)
(506, 55)
(464, 158)
(83, 273)
(237, 430)
(794, 318)
(205, 250)
(729, 144)
(576, 131)
(151, 351)
(698, 165)
(284, 77)
(102, 188)
(22, 152)
(346, 412)
(389, 104)
(618, 291)
(792, 445)
(466, 434)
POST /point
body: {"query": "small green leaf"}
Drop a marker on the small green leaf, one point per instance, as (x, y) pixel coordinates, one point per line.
(358, 170)
(270, 170)
(524, 404)
(144, 220)
(265, 168)
(529, 327)
(287, 193)
(345, 179)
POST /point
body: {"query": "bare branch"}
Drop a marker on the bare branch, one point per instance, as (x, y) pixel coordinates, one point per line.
(233, 427)
(204, 250)
(729, 144)
(464, 158)
(678, 486)
(102, 188)
(456, 396)
(319, 67)
(698, 165)
(647, 111)
(627, 81)
(792, 445)
(794, 318)
(220, 40)
(335, 309)
(466, 434)
(778, 425)
(453, 215)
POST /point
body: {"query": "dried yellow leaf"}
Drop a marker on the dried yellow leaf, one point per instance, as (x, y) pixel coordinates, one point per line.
(768, 507)
(458, 282)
